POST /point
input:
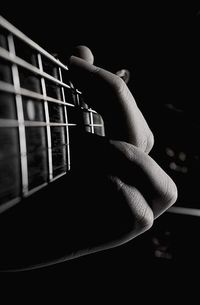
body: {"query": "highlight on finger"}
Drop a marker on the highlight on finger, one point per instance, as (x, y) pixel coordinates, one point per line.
(83, 52)
(140, 171)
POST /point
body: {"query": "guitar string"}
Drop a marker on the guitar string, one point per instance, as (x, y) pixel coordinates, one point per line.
(10, 58)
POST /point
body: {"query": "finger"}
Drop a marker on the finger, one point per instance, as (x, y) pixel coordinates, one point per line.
(83, 52)
(139, 170)
(108, 94)
(143, 216)
(130, 164)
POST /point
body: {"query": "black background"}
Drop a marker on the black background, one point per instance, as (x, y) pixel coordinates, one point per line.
(159, 45)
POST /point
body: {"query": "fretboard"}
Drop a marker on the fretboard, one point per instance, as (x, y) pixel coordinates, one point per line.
(39, 109)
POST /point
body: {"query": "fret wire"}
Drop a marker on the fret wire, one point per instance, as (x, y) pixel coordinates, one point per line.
(66, 120)
(46, 110)
(35, 189)
(16, 63)
(20, 116)
(7, 25)
(92, 110)
(22, 63)
(91, 122)
(76, 96)
(25, 92)
(57, 177)
(89, 110)
(68, 147)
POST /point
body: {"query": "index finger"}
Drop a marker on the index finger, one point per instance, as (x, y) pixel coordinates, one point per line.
(83, 52)
(108, 94)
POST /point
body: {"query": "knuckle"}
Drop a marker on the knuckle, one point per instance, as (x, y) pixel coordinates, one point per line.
(96, 70)
(145, 218)
(118, 84)
(146, 142)
(166, 198)
(126, 148)
(150, 141)
(142, 214)
(171, 194)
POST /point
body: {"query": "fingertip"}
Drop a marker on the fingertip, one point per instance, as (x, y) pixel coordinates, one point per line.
(80, 66)
(83, 52)
(80, 72)
(76, 62)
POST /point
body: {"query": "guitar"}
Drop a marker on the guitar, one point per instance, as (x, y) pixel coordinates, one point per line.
(40, 108)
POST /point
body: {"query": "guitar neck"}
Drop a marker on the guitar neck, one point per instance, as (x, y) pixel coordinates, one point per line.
(39, 109)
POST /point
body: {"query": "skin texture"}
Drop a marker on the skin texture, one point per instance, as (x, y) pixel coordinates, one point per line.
(126, 129)
(113, 193)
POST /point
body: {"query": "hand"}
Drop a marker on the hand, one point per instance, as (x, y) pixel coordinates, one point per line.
(141, 189)
(113, 193)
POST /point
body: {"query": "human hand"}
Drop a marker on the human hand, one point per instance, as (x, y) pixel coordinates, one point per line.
(112, 194)
(130, 185)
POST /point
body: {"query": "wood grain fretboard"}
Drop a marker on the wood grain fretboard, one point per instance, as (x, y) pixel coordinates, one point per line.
(39, 108)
